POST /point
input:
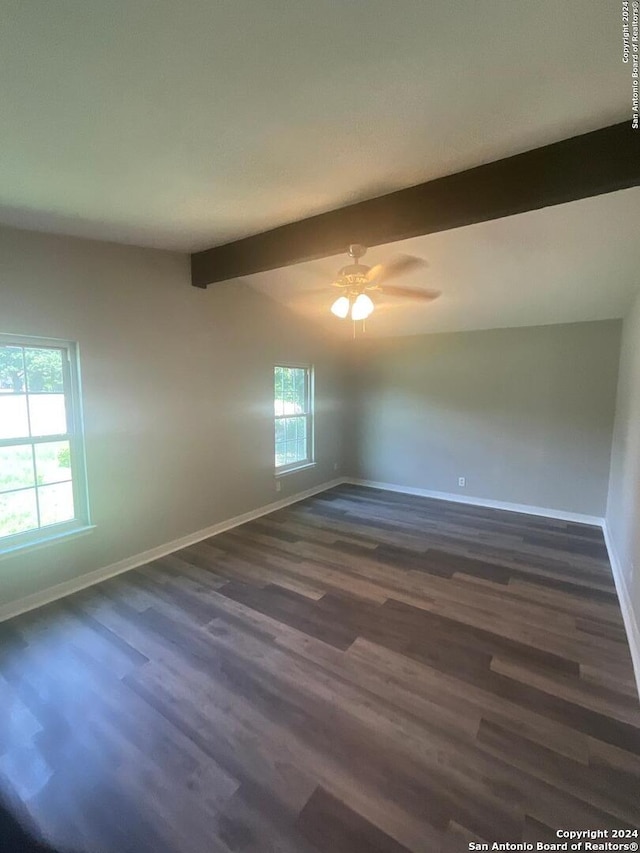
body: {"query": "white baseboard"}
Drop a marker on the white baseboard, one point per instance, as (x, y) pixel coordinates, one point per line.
(38, 599)
(629, 617)
(561, 515)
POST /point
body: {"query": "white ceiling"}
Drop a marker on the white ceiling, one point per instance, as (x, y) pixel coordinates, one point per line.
(186, 124)
(562, 264)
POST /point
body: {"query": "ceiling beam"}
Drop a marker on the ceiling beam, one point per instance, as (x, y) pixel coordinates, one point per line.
(602, 161)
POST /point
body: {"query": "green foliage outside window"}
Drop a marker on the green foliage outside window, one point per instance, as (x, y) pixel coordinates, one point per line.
(64, 457)
(39, 368)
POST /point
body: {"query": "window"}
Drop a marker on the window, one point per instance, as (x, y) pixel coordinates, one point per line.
(293, 417)
(42, 474)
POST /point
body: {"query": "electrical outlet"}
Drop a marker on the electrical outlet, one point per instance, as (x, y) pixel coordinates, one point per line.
(462, 482)
(278, 485)
(335, 466)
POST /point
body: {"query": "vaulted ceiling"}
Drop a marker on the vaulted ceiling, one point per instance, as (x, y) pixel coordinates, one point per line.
(186, 125)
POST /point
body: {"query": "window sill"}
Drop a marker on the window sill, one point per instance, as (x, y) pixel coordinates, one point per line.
(305, 467)
(42, 542)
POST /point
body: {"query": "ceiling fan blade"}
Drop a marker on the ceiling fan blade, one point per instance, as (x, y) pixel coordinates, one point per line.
(375, 272)
(411, 293)
(396, 267)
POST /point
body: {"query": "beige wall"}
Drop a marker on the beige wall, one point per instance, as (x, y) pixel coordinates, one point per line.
(623, 508)
(525, 414)
(177, 390)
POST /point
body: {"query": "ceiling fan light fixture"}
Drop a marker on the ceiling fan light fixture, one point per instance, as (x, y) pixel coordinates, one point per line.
(340, 307)
(362, 307)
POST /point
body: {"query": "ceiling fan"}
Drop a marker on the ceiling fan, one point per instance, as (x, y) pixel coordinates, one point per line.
(359, 282)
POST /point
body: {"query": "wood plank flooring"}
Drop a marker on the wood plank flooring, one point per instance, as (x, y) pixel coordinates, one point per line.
(362, 671)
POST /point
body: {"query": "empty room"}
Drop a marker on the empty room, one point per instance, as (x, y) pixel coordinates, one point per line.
(319, 426)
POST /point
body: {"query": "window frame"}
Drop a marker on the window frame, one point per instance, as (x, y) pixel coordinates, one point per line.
(71, 383)
(308, 414)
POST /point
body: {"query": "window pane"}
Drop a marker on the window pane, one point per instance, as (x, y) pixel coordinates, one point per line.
(53, 462)
(14, 422)
(298, 380)
(294, 390)
(288, 393)
(16, 467)
(278, 392)
(56, 503)
(48, 414)
(280, 431)
(44, 369)
(291, 428)
(289, 452)
(302, 442)
(290, 390)
(18, 512)
(286, 384)
(11, 369)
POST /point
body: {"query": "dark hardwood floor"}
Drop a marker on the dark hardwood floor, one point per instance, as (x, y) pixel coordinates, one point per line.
(362, 671)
